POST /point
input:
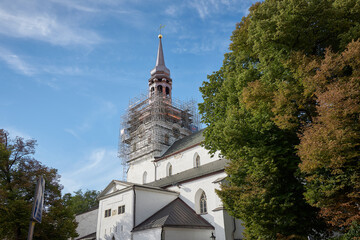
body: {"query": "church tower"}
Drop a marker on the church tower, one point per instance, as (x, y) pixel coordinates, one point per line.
(154, 121)
(160, 81)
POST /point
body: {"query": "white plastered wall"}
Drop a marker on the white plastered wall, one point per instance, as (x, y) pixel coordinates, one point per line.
(148, 234)
(137, 169)
(180, 162)
(186, 234)
(119, 225)
(184, 160)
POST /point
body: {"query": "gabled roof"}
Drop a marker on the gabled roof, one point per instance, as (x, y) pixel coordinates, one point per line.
(175, 214)
(128, 186)
(183, 144)
(112, 184)
(203, 170)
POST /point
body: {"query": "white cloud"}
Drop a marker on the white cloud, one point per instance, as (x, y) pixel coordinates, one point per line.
(172, 10)
(72, 132)
(44, 27)
(15, 62)
(14, 132)
(75, 5)
(95, 171)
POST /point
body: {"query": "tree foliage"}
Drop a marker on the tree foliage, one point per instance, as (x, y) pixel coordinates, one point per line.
(18, 174)
(330, 145)
(81, 202)
(263, 98)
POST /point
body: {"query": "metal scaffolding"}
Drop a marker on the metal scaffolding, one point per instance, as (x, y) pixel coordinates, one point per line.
(146, 119)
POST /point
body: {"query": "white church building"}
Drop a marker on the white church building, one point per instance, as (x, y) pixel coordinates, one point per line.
(171, 179)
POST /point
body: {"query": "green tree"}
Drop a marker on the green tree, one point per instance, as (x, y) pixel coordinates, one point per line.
(81, 202)
(18, 174)
(260, 100)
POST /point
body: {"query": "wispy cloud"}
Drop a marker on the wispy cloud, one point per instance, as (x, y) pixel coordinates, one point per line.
(75, 5)
(44, 27)
(15, 132)
(102, 109)
(15, 62)
(96, 170)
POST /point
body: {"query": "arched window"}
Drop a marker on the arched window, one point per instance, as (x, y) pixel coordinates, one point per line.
(167, 90)
(144, 177)
(200, 202)
(196, 160)
(159, 88)
(203, 206)
(168, 170)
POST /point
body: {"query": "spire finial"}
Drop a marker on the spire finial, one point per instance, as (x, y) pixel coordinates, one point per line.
(161, 27)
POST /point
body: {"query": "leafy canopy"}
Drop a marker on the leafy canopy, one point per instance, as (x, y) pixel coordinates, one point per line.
(262, 99)
(18, 174)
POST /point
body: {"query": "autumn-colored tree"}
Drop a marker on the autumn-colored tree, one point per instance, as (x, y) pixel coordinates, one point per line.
(259, 101)
(18, 174)
(330, 145)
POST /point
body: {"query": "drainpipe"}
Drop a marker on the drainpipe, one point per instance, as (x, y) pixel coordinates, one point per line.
(155, 166)
(134, 210)
(233, 233)
(162, 233)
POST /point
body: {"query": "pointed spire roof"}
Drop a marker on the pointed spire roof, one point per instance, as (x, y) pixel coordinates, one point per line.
(160, 67)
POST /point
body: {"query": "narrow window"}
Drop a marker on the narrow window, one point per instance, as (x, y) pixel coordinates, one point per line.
(168, 170)
(159, 88)
(144, 177)
(107, 212)
(121, 209)
(166, 139)
(203, 207)
(167, 91)
(197, 161)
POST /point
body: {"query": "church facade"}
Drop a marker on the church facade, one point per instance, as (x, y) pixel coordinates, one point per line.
(171, 178)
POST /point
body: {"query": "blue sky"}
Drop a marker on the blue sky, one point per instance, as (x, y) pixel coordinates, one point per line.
(68, 69)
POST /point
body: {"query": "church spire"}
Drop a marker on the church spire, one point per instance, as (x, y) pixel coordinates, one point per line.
(160, 81)
(160, 68)
(160, 55)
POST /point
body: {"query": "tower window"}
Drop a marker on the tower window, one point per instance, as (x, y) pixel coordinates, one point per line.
(160, 88)
(176, 132)
(167, 91)
(166, 140)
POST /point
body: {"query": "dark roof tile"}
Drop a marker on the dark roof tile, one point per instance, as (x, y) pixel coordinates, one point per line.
(183, 143)
(175, 214)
